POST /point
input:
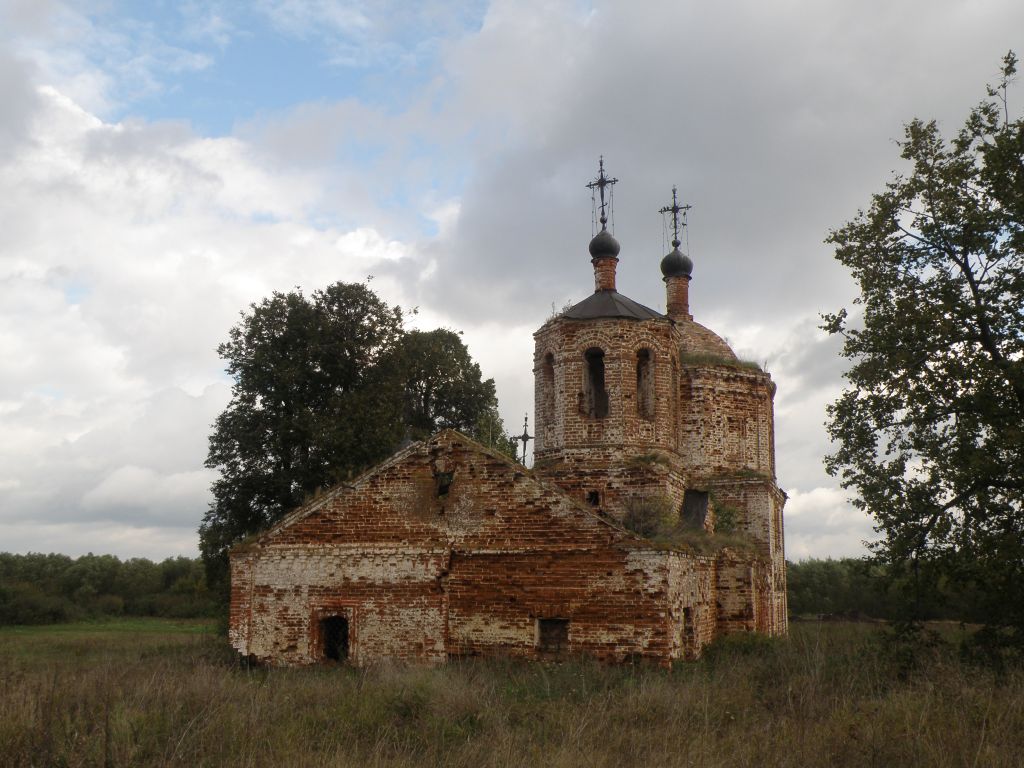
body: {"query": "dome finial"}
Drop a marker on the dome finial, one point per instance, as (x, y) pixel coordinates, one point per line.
(676, 263)
(604, 248)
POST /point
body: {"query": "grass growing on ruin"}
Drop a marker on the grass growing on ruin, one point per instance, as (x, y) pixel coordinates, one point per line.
(168, 694)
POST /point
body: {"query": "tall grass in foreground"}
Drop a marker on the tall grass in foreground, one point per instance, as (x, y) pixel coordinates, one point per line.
(830, 695)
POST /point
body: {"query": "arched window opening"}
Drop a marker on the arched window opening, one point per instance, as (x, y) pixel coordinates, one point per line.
(644, 384)
(548, 388)
(596, 397)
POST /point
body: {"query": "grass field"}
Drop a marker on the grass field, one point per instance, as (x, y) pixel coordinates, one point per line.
(165, 693)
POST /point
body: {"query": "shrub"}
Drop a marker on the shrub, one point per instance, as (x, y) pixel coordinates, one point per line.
(649, 516)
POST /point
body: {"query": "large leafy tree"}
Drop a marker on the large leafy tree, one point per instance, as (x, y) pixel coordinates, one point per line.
(930, 430)
(443, 388)
(325, 386)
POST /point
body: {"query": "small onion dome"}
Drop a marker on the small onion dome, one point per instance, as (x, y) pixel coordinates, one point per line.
(604, 246)
(676, 264)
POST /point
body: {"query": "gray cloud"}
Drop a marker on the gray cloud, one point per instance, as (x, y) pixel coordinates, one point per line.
(775, 122)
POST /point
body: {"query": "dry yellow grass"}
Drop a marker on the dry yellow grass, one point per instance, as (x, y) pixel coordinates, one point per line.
(152, 693)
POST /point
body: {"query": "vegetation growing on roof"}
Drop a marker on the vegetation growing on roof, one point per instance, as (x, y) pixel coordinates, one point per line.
(707, 358)
(647, 459)
(656, 518)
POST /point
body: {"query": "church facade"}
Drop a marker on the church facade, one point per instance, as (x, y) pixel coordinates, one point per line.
(649, 524)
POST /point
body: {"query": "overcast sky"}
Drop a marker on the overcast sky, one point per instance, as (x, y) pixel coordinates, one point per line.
(164, 164)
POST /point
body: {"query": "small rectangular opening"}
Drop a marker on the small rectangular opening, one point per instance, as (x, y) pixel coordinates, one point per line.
(552, 636)
(444, 482)
(594, 498)
(334, 630)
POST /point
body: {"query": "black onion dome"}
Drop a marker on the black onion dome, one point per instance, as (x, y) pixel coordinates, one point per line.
(676, 264)
(604, 246)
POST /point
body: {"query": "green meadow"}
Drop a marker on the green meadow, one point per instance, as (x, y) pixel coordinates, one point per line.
(155, 692)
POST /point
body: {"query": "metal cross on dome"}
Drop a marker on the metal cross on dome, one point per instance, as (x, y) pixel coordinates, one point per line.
(525, 437)
(599, 184)
(675, 209)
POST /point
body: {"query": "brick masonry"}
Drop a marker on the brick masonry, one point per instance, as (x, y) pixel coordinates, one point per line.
(450, 550)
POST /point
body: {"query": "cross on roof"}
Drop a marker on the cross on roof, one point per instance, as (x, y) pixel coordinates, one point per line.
(599, 184)
(675, 209)
(525, 437)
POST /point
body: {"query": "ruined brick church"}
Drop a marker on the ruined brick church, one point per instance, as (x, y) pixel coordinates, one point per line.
(449, 549)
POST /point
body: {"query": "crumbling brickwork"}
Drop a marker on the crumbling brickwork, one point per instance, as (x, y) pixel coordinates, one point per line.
(711, 431)
(450, 550)
(423, 577)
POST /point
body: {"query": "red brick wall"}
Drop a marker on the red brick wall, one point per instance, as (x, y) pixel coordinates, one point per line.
(726, 420)
(420, 577)
(712, 429)
(567, 341)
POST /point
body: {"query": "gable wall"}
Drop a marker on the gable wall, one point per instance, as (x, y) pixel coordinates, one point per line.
(421, 577)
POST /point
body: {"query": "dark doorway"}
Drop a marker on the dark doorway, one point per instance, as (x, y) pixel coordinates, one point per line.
(695, 508)
(552, 636)
(334, 630)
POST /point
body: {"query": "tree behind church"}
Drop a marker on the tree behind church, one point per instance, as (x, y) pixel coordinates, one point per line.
(930, 432)
(325, 386)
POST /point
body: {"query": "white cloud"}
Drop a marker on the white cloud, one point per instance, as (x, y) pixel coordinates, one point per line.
(130, 251)
(307, 17)
(99, 60)
(120, 539)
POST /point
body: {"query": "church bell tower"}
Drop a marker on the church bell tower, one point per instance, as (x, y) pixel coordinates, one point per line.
(605, 371)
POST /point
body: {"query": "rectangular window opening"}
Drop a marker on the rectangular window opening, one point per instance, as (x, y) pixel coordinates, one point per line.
(444, 482)
(594, 498)
(548, 389)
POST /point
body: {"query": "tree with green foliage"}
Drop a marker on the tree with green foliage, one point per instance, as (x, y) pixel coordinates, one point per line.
(930, 430)
(326, 386)
(316, 398)
(47, 589)
(443, 388)
(490, 431)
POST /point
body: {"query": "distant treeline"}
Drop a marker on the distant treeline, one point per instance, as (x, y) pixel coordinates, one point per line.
(852, 588)
(47, 589)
